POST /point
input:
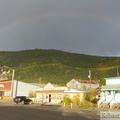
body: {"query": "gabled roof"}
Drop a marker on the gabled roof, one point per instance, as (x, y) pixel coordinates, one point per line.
(50, 85)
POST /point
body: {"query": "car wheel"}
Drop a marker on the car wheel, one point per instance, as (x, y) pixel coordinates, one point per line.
(31, 102)
(22, 102)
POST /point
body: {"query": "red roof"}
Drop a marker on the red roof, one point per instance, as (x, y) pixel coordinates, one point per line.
(89, 81)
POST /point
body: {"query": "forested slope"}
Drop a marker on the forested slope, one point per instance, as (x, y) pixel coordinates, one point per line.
(57, 66)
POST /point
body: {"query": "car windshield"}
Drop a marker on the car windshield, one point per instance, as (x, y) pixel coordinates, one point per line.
(26, 97)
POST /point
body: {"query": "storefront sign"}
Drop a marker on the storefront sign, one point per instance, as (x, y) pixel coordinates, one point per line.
(1, 85)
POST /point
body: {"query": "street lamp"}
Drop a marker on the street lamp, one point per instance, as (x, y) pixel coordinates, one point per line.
(12, 83)
(12, 79)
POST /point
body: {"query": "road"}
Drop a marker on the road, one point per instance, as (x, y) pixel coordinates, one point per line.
(36, 112)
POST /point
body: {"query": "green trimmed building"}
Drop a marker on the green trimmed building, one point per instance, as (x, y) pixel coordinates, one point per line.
(110, 93)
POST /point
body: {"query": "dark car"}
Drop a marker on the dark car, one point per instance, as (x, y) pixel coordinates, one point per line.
(22, 100)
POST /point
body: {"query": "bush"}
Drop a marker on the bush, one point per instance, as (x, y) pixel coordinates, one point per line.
(32, 95)
(92, 94)
(67, 100)
(76, 99)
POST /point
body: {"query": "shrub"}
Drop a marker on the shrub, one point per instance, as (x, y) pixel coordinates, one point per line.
(92, 94)
(76, 99)
(32, 95)
(67, 100)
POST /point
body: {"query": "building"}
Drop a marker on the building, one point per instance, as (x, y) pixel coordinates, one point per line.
(69, 92)
(11, 88)
(110, 93)
(83, 84)
(5, 89)
(50, 93)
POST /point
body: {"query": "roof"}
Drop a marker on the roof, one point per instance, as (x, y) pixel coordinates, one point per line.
(38, 84)
(89, 81)
(111, 78)
(111, 87)
(1, 80)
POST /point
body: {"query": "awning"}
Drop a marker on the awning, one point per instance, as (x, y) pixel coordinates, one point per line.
(50, 91)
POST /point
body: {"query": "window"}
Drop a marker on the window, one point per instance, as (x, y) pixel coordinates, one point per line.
(6, 93)
(53, 96)
(59, 96)
(118, 91)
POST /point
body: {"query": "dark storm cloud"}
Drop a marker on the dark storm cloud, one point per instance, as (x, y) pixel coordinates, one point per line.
(79, 26)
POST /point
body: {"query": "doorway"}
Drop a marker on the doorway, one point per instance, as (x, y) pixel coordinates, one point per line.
(49, 97)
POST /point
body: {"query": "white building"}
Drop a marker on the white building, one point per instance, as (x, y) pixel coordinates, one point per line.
(23, 89)
(83, 84)
(110, 95)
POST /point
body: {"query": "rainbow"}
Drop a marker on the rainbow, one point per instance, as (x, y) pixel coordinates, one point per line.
(24, 20)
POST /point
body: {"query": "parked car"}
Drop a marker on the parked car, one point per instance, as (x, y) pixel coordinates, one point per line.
(22, 100)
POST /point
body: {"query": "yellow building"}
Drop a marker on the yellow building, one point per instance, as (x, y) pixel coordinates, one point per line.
(50, 94)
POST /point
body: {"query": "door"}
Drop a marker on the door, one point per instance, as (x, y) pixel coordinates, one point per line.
(49, 97)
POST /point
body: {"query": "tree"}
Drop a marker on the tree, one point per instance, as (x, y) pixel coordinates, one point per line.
(84, 87)
(67, 100)
(76, 99)
(102, 82)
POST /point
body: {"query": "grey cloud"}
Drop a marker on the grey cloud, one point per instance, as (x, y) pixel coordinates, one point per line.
(79, 26)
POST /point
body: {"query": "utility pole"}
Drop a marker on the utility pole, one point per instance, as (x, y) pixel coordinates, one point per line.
(117, 72)
(89, 76)
(40, 81)
(12, 84)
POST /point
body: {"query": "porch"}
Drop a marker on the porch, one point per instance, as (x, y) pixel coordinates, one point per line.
(110, 97)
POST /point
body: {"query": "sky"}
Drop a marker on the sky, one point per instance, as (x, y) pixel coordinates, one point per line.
(89, 27)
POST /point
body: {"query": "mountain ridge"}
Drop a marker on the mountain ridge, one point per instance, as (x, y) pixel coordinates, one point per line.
(57, 66)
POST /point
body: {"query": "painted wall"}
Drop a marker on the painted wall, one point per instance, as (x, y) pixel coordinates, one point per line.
(114, 80)
(22, 89)
(77, 85)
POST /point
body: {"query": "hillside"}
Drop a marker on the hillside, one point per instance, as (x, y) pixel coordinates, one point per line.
(57, 66)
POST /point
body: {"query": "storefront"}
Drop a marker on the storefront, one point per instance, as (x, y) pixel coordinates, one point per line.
(50, 94)
(5, 89)
(9, 89)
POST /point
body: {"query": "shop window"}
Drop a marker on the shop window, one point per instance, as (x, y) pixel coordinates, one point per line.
(59, 96)
(118, 91)
(53, 96)
(6, 93)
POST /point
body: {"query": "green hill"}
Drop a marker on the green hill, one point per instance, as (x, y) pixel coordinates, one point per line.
(57, 66)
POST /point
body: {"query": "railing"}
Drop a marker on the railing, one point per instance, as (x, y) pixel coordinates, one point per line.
(101, 101)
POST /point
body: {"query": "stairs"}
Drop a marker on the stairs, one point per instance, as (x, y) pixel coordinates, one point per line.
(104, 105)
(115, 106)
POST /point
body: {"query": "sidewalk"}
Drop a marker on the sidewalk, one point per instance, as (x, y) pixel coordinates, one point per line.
(5, 101)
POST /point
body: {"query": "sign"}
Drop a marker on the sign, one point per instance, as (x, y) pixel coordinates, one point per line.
(1, 85)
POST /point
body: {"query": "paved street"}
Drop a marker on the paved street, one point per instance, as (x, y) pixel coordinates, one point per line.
(10, 111)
